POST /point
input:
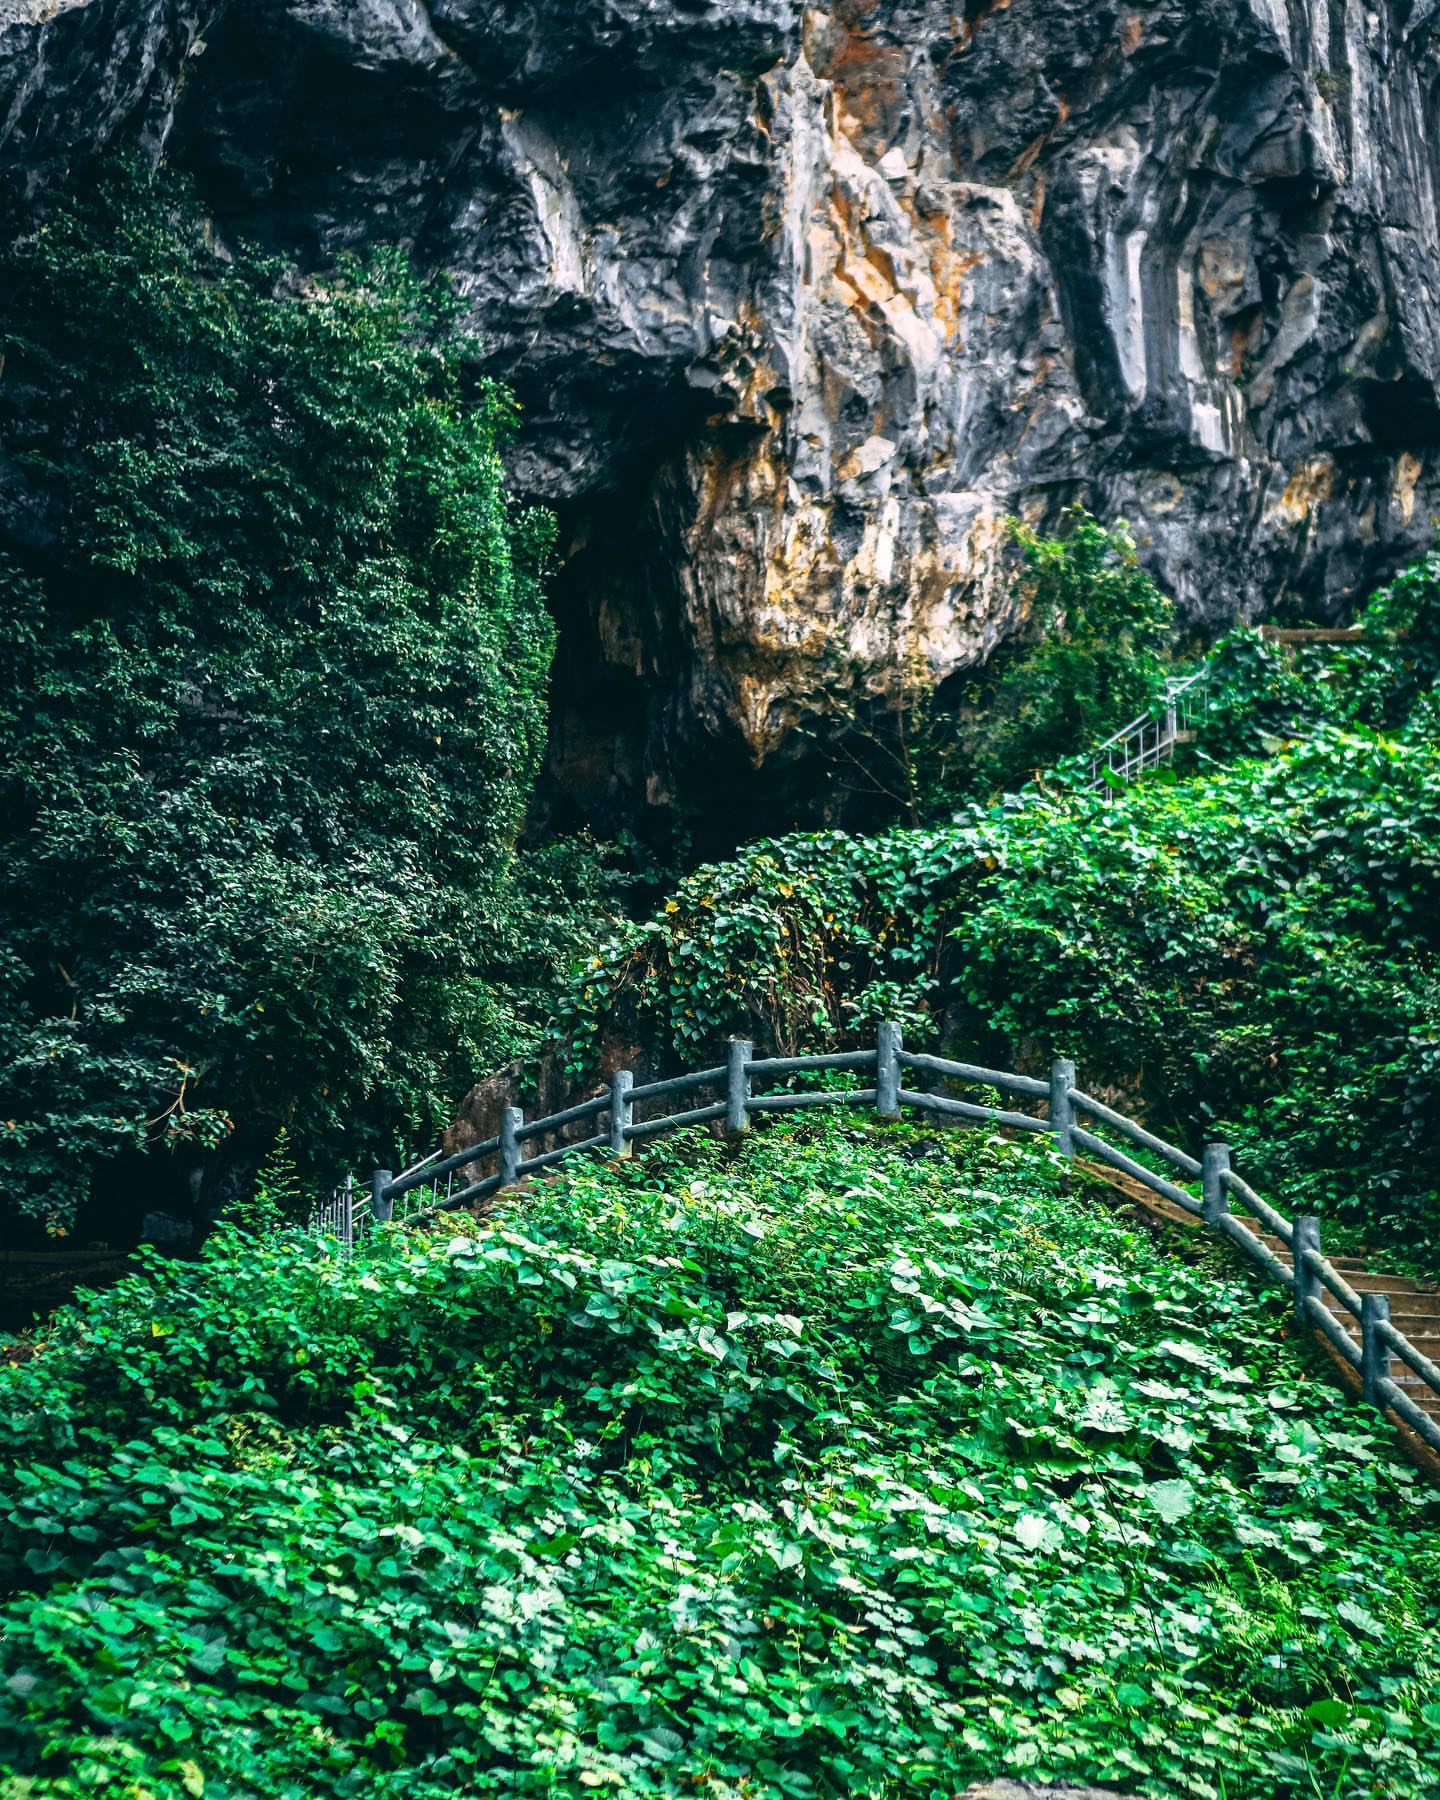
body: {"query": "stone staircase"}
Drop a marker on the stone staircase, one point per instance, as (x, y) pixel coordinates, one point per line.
(1414, 1306)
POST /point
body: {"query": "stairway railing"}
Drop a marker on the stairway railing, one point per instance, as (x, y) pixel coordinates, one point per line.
(429, 1186)
(1153, 738)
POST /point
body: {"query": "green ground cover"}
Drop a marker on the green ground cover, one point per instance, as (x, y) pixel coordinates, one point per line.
(855, 1460)
(1247, 952)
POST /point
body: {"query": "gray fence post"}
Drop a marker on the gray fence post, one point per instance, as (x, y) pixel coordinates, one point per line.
(737, 1085)
(1215, 1164)
(1307, 1285)
(621, 1108)
(887, 1070)
(381, 1205)
(511, 1119)
(347, 1214)
(1374, 1351)
(1062, 1107)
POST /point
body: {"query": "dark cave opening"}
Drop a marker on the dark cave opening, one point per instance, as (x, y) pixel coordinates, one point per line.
(1401, 414)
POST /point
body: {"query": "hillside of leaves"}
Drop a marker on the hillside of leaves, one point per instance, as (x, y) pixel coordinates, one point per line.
(852, 1461)
(1245, 947)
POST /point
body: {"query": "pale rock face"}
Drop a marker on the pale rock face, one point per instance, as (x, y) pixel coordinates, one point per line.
(803, 302)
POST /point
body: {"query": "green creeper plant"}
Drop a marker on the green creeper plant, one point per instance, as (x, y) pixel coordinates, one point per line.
(1248, 950)
(850, 1461)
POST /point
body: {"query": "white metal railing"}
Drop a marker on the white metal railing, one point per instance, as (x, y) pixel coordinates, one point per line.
(335, 1216)
(1147, 742)
(346, 1211)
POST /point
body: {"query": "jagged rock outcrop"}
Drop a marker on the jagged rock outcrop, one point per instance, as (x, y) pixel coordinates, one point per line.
(803, 301)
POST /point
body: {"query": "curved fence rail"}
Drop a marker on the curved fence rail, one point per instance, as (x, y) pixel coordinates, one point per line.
(741, 1087)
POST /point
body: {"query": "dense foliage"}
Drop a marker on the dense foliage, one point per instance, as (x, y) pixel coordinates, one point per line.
(850, 1463)
(1388, 681)
(1251, 949)
(1258, 950)
(279, 657)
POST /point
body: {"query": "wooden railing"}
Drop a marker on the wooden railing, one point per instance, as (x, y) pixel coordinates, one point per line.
(440, 1182)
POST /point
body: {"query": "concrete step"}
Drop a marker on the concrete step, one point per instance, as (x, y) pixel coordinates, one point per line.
(1414, 1306)
(1366, 1283)
(1347, 1265)
(1174, 1214)
(1414, 1321)
(1419, 1332)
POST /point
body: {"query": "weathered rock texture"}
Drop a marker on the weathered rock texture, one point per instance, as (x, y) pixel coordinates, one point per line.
(802, 302)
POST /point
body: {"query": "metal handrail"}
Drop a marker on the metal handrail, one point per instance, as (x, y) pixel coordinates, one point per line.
(1175, 686)
(1151, 739)
(351, 1209)
(416, 1167)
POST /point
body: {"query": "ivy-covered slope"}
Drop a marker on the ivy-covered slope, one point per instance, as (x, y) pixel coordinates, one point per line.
(854, 1461)
(1248, 949)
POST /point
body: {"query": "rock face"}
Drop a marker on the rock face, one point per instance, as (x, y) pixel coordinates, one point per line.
(801, 302)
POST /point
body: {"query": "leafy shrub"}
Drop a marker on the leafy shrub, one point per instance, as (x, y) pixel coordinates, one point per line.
(280, 656)
(278, 1198)
(1256, 950)
(1389, 681)
(802, 940)
(854, 1462)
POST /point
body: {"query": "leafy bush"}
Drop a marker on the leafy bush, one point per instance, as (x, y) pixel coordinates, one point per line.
(280, 657)
(802, 940)
(854, 1462)
(1389, 681)
(278, 1198)
(1256, 950)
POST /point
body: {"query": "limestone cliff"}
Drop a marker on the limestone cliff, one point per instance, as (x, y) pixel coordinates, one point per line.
(802, 301)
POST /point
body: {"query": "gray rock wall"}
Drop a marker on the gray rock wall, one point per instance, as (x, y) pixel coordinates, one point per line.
(803, 301)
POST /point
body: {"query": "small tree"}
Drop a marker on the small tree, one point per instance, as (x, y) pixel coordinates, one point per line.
(278, 1198)
(1092, 656)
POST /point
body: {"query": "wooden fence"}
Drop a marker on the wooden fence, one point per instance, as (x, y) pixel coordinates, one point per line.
(439, 1182)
